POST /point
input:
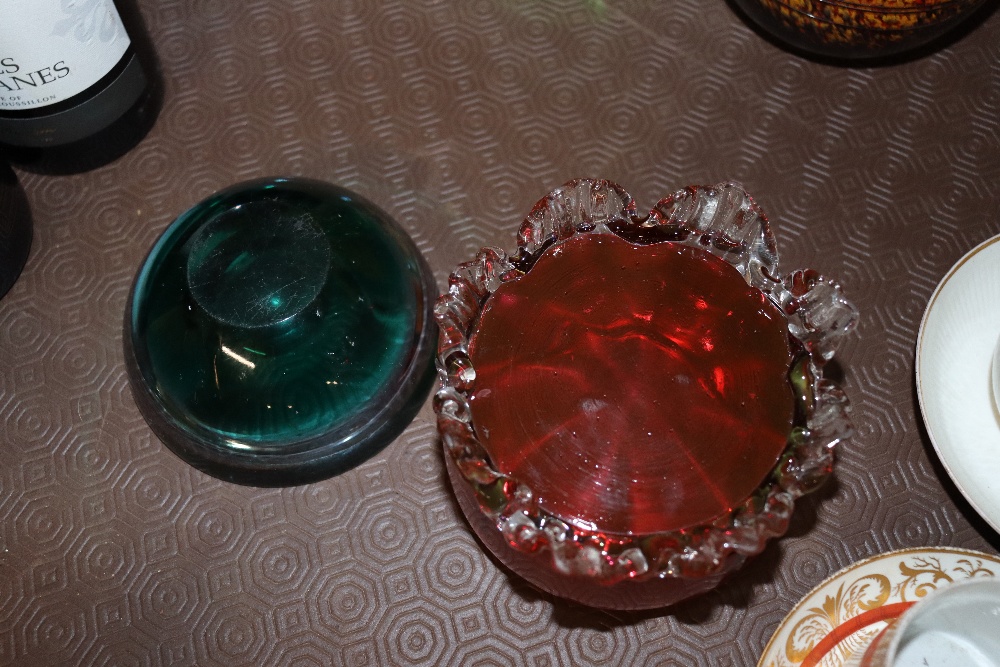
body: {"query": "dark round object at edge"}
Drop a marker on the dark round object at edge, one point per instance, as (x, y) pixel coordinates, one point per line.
(15, 229)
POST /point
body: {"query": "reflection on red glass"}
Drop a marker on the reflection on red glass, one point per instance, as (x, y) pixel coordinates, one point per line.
(635, 389)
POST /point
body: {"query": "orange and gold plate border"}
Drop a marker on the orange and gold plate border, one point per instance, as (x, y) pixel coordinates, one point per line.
(846, 612)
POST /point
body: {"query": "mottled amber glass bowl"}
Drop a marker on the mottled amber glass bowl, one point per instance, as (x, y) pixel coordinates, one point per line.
(615, 564)
(858, 29)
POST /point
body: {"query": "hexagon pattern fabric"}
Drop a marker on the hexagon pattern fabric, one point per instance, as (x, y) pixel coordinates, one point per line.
(456, 117)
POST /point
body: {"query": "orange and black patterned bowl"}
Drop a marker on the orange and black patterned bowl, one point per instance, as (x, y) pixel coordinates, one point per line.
(859, 29)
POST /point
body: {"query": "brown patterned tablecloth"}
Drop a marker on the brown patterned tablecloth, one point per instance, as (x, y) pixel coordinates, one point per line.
(456, 117)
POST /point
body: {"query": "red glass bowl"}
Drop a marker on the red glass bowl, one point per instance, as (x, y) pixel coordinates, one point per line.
(616, 565)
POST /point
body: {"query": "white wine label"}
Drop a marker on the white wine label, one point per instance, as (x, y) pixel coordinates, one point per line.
(50, 50)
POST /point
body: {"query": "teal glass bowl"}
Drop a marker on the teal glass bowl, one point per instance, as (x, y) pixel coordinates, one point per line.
(280, 332)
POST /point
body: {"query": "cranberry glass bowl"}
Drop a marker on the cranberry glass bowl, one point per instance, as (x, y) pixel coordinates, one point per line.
(651, 538)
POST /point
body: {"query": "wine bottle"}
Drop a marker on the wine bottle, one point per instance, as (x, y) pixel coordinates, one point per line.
(78, 82)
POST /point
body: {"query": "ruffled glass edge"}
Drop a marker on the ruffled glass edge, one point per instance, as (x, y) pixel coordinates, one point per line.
(725, 221)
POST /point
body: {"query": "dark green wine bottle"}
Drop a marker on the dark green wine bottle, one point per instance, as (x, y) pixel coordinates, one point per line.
(79, 84)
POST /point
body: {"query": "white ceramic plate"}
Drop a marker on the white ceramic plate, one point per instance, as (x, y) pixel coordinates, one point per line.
(848, 610)
(955, 346)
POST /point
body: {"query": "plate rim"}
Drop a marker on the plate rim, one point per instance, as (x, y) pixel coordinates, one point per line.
(993, 521)
(856, 565)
